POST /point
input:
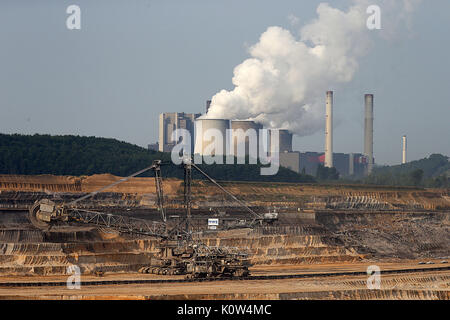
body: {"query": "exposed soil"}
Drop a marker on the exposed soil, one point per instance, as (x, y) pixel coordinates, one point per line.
(412, 286)
(319, 228)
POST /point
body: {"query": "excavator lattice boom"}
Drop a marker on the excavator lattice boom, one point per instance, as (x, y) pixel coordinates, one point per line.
(179, 253)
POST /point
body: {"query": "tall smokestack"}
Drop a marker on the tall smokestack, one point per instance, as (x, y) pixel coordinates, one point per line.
(208, 104)
(368, 132)
(404, 150)
(351, 164)
(329, 130)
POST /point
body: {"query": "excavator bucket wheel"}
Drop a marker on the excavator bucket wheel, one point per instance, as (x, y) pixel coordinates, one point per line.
(32, 214)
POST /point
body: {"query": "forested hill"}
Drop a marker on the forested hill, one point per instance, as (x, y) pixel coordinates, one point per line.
(433, 171)
(75, 155)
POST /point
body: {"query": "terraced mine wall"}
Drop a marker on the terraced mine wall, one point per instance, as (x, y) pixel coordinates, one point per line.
(357, 294)
(318, 224)
(403, 235)
(22, 200)
(141, 191)
(334, 237)
(36, 252)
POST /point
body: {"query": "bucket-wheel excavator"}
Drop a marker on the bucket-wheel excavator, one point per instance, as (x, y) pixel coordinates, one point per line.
(179, 253)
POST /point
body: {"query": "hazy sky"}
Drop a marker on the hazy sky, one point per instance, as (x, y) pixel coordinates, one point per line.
(134, 59)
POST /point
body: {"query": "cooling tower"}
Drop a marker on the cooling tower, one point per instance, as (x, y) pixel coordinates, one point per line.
(329, 130)
(205, 127)
(285, 140)
(404, 141)
(368, 131)
(251, 138)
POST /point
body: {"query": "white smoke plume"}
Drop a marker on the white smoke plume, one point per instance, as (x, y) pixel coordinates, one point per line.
(284, 82)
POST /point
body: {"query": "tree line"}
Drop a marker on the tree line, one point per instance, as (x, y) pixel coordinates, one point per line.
(433, 172)
(78, 155)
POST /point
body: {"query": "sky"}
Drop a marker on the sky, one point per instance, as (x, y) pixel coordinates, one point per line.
(132, 60)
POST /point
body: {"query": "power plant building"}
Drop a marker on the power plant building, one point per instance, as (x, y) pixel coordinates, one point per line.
(353, 164)
(245, 135)
(284, 141)
(204, 144)
(169, 122)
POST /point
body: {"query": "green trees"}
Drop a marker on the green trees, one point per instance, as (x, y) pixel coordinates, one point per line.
(439, 182)
(325, 173)
(433, 171)
(417, 176)
(68, 155)
(75, 155)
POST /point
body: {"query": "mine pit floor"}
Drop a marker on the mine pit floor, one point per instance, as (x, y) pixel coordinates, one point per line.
(416, 285)
(433, 285)
(259, 270)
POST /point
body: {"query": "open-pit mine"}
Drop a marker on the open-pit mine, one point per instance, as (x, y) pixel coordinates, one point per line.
(319, 247)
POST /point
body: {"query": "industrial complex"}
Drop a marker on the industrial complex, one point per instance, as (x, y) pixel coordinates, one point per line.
(166, 238)
(354, 165)
(317, 169)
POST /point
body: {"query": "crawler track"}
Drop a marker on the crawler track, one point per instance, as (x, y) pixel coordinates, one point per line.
(265, 277)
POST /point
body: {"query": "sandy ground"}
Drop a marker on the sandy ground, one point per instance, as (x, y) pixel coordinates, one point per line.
(255, 271)
(266, 289)
(411, 285)
(376, 235)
